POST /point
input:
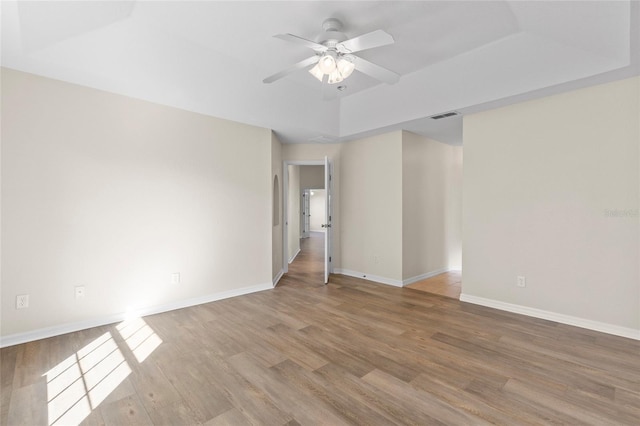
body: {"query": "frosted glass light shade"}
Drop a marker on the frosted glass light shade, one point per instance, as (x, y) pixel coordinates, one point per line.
(345, 66)
(327, 63)
(335, 77)
(316, 72)
(341, 68)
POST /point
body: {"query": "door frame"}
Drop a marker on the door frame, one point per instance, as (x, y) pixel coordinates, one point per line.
(305, 206)
(285, 205)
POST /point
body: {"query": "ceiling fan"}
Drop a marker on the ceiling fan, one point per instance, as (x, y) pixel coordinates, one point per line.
(334, 58)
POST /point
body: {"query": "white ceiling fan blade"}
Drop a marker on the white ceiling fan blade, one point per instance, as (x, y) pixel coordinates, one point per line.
(366, 41)
(376, 71)
(300, 65)
(303, 41)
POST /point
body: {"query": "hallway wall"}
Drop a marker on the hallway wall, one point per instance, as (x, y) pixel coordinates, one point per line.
(312, 177)
(371, 207)
(276, 229)
(293, 209)
(317, 211)
(431, 206)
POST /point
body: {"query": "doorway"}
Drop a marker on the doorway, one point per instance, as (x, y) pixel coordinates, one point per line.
(307, 224)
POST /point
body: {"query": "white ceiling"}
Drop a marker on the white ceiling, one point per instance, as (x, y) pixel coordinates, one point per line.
(211, 56)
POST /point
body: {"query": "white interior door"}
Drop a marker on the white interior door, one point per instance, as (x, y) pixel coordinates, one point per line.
(327, 238)
(305, 212)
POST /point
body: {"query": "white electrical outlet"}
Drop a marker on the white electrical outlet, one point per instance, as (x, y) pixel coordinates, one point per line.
(22, 301)
(521, 282)
(80, 292)
(175, 278)
(375, 259)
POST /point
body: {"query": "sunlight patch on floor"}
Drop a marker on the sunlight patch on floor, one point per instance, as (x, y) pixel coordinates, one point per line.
(140, 338)
(80, 383)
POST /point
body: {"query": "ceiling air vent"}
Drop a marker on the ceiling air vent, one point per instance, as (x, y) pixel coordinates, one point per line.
(322, 139)
(445, 115)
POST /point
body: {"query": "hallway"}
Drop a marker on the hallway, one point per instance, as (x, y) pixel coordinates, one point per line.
(307, 269)
(447, 284)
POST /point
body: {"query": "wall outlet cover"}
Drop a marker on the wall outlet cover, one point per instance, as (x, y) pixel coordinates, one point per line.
(22, 301)
(79, 292)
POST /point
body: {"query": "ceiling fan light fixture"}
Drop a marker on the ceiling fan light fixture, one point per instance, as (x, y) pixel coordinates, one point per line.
(346, 66)
(327, 62)
(335, 77)
(316, 72)
(334, 60)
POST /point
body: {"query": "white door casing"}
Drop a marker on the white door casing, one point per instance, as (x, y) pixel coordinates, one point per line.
(328, 171)
(285, 201)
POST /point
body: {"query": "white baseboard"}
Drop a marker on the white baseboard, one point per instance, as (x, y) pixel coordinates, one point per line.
(277, 277)
(553, 316)
(425, 276)
(43, 333)
(390, 281)
(294, 256)
(364, 276)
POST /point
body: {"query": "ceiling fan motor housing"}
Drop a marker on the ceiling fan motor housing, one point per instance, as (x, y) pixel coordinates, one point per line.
(332, 34)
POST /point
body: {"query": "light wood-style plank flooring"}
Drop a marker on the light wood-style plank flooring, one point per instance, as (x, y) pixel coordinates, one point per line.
(308, 266)
(351, 352)
(448, 284)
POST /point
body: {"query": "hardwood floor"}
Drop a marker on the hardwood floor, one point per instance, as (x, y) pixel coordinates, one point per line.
(308, 266)
(448, 284)
(351, 352)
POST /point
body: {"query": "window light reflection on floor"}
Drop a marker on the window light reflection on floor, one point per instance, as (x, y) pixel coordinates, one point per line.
(81, 382)
(77, 385)
(140, 338)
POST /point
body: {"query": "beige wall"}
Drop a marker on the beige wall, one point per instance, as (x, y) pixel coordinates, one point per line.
(551, 192)
(293, 212)
(117, 194)
(312, 177)
(453, 219)
(317, 210)
(278, 196)
(371, 206)
(431, 206)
